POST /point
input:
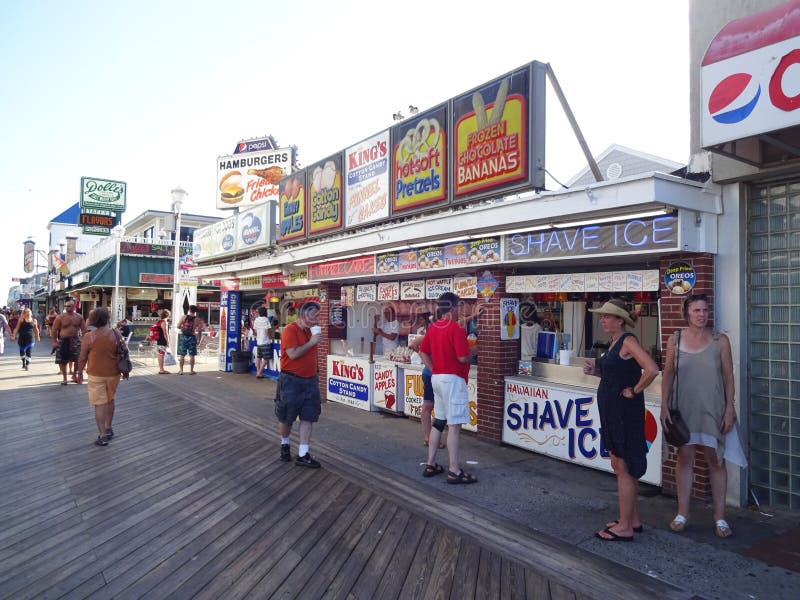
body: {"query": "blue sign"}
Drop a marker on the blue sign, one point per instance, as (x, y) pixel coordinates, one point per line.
(348, 389)
(232, 322)
(255, 146)
(680, 278)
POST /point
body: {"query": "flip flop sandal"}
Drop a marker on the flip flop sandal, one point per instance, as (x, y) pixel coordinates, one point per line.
(638, 529)
(678, 524)
(461, 477)
(433, 470)
(614, 537)
(64, 383)
(722, 529)
(195, 373)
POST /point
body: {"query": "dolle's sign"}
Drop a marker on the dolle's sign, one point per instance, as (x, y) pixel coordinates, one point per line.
(106, 194)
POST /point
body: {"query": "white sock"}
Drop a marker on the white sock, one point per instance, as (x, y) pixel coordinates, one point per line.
(302, 450)
(284, 441)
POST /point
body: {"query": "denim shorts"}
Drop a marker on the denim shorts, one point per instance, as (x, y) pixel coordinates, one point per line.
(427, 387)
(297, 397)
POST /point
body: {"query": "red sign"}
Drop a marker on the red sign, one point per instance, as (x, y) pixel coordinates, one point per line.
(228, 285)
(336, 269)
(273, 280)
(155, 278)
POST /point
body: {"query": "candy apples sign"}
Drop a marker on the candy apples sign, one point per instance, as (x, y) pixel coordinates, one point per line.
(292, 205)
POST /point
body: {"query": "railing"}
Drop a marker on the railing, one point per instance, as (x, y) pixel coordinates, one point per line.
(108, 248)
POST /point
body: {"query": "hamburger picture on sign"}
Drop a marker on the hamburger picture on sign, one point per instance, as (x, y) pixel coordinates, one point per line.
(251, 178)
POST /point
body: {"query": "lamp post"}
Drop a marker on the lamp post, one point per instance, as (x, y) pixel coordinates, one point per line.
(178, 195)
(117, 311)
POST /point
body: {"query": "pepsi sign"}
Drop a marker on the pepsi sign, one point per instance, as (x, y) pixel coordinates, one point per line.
(255, 145)
(751, 93)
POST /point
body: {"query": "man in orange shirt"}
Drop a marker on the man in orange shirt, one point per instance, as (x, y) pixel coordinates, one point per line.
(298, 388)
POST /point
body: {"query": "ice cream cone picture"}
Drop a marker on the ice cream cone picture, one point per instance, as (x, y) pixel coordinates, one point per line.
(509, 317)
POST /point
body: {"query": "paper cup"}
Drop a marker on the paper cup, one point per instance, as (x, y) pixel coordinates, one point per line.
(564, 356)
(316, 329)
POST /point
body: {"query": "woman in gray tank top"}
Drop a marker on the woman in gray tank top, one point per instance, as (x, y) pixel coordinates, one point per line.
(705, 396)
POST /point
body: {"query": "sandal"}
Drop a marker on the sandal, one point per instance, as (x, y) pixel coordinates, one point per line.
(613, 536)
(678, 524)
(722, 529)
(461, 477)
(432, 470)
(638, 529)
(195, 373)
(165, 372)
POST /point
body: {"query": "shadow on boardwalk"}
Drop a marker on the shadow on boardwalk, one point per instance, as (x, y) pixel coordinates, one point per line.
(188, 502)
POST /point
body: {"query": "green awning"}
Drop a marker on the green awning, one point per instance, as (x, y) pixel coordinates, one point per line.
(102, 274)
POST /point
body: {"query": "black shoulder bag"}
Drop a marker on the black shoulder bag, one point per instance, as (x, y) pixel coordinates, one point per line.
(678, 432)
(124, 364)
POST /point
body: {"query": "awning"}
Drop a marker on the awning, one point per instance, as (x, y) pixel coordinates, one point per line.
(103, 273)
(749, 88)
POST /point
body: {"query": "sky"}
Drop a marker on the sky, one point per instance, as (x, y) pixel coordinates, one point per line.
(152, 92)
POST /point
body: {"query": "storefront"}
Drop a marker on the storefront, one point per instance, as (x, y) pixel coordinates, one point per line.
(745, 134)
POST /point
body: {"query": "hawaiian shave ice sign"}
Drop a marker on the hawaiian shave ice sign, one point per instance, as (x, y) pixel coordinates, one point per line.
(564, 422)
(106, 194)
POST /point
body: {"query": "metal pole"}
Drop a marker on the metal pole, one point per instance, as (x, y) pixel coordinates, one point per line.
(115, 312)
(574, 124)
(176, 291)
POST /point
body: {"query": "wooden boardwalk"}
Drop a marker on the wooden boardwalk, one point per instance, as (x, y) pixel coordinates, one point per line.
(187, 502)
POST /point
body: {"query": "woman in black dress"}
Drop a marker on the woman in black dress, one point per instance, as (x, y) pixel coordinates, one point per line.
(625, 371)
(26, 330)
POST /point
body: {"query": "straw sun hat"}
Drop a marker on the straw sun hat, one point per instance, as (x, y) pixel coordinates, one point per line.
(611, 308)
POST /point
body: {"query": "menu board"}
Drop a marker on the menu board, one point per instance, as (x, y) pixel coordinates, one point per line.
(366, 292)
(607, 281)
(436, 287)
(388, 291)
(490, 137)
(325, 195)
(419, 147)
(465, 286)
(366, 192)
(412, 290)
(292, 207)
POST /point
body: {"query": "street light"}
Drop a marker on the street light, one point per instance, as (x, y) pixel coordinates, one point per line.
(178, 195)
(118, 311)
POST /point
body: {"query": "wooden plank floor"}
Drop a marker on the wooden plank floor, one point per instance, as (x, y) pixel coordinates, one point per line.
(187, 502)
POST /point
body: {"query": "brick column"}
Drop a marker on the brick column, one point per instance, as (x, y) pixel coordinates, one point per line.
(327, 292)
(672, 320)
(496, 359)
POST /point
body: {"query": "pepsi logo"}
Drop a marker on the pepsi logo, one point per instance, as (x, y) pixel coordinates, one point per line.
(241, 147)
(734, 98)
(251, 229)
(227, 242)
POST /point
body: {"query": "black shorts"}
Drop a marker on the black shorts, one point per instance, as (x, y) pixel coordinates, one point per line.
(427, 388)
(68, 350)
(297, 397)
(264, 351)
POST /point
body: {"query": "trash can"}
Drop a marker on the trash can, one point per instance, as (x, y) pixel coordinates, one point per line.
(241, 361)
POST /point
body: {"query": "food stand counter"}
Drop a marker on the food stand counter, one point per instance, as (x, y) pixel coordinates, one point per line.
(410, 392)
(553, 411)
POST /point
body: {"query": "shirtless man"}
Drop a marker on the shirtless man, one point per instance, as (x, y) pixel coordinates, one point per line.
(66, 341)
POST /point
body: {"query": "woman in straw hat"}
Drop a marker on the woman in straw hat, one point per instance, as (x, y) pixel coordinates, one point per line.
(625, 371)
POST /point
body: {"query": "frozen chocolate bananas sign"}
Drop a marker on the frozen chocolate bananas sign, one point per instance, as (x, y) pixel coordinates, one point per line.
(491, 127)
(420, 162)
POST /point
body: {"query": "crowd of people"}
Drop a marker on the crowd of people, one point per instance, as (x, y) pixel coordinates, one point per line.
(703, 358)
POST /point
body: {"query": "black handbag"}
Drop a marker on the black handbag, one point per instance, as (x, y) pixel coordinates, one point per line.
(124, 364)
(678, 432)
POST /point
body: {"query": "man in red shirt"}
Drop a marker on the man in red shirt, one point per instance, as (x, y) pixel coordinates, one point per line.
(298, 389)
(445, 351)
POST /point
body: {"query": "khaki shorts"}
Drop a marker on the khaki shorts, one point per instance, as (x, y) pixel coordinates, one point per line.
(102, 389)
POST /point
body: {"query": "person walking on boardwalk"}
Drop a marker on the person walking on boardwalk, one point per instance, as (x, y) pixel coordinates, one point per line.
(162, 339)
(4, 328)
(446, 352)
(625, 371)
(67, 328)
(188, 327)
(262, 327)
(26, 331)
(298, 389)
(99, 357)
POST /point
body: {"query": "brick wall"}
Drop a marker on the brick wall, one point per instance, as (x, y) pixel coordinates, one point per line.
(328, 291)
(671, 320)
(496, 359)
